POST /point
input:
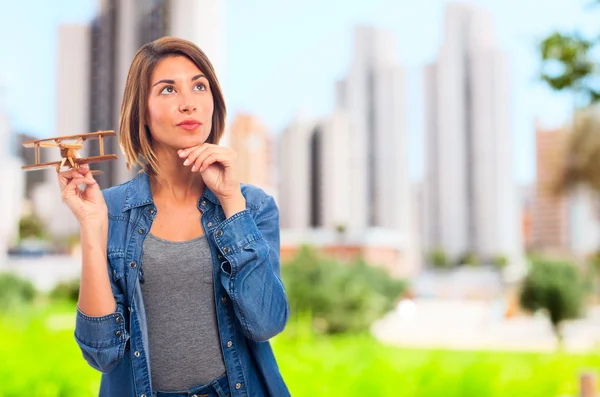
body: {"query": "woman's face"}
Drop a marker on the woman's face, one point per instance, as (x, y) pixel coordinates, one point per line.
(180, 104)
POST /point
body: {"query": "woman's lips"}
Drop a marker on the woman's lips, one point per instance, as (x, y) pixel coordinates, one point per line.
(189, 126)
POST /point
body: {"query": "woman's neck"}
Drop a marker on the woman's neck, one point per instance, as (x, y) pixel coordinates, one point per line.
(176, 182)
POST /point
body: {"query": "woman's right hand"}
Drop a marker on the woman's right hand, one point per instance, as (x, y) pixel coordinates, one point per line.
(87, 205)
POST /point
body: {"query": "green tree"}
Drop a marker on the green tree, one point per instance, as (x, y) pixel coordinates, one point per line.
(338, 297)
(554, 287)
(568, 64)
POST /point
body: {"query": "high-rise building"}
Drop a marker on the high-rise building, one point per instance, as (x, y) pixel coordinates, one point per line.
(470, 193)
(343, 184)
(372, 95)
(250, 139)
(13, 185)
(550, 209)
(315, 182)
(27, 155)
(294, 174)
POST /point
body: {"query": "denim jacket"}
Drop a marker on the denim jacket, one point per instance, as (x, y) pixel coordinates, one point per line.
(251, 304)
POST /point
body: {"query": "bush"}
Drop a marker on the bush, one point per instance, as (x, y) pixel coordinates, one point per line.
(555, 287)
(438, 259)
(31, 226)
(469, 259)
(15, 291)
(338, 297)
(66, 290)
(499, 261)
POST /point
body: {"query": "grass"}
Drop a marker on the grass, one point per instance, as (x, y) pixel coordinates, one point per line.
(40, 357)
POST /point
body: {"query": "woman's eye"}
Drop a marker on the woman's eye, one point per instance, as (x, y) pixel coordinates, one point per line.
(201, 87)
(168, 90)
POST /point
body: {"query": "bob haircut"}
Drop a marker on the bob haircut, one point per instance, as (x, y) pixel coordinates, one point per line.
(134, 136)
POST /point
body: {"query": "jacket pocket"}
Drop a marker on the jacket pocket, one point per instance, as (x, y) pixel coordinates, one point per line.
(116, 263)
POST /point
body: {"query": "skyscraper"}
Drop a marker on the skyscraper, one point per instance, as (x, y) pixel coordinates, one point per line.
(372, 95)
(470, 193)
(13, 180)
(314, 183)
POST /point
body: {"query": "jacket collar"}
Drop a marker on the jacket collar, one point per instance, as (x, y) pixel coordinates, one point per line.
(139, 193)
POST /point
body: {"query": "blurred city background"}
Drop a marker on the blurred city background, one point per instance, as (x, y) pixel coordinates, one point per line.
(435, 165)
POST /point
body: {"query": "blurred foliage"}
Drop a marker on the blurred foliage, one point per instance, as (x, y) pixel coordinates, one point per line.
(351, 365)
(583, 153)
(438, 259)
(556, 288)
(593, 271)
(66, 290)
(469, 259)
(15, 292)
(42, 358)
(31, 226)
(569, 63)
(338, 297)
(499, 261)
(312, 364)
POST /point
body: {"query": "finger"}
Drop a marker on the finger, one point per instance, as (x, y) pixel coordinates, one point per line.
(65, 177)
(185, 152)
(223, 158)
(223, 153)
(84, 169)
(72, 189)
(194, 154)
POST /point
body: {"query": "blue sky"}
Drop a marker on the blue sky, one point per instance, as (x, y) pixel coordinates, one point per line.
(284, 56)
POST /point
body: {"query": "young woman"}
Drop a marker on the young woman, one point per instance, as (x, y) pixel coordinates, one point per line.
(193, 290)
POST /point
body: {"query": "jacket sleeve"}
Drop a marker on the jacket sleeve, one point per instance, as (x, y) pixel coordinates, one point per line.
(102, 339)
(251, 270)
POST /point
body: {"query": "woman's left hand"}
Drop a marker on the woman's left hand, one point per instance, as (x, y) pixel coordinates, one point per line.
(217, 165)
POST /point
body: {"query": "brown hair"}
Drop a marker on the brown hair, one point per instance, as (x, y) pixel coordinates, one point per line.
(134, 138)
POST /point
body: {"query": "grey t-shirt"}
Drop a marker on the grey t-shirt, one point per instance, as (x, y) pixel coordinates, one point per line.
(178, 292)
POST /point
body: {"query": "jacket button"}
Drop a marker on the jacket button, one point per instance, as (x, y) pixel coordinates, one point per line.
(219, 233)
(210, 224)
(132, 265)
(224, 299)
(203, 202)
(141, 231)
(118, 334)
(220, 256)
(226, 250)
(118, 320)
(130, 309)
(142, 395)
(238, 385)
(229, 344)
(137, 354)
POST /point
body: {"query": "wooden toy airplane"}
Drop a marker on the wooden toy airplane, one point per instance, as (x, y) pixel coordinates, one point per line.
(68, 151)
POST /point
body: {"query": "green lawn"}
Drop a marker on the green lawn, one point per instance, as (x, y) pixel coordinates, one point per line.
(39, 357)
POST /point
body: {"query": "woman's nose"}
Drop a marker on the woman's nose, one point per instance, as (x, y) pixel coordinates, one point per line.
(187, 104)
(187, 107)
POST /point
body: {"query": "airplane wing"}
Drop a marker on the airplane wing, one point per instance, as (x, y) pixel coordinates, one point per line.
(84, 137)
(95, 159)
(33, 167)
